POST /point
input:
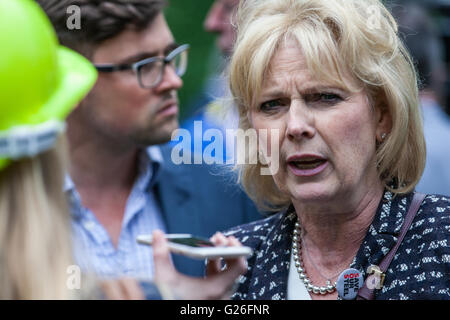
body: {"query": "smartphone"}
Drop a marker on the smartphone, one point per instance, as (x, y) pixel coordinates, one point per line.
(198, 247)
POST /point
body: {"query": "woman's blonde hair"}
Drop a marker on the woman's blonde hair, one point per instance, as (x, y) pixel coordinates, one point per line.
(35, 249)
(339, 37)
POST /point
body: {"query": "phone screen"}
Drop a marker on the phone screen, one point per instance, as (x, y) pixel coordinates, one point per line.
(193, 242)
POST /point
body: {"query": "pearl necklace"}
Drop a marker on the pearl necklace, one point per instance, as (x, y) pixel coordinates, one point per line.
(296, 248)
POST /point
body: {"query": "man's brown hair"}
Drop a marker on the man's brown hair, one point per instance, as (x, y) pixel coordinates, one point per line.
(100, 20)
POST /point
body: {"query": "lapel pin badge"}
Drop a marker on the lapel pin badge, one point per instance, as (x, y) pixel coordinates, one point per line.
(349, 283)
(375, 279)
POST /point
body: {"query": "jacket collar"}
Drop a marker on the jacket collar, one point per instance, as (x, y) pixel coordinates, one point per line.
(273, 258)
(384, 230)
(174, 180)
(173, 190)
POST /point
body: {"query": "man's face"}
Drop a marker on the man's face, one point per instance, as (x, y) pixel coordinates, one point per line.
(218, 21)
(117, 107)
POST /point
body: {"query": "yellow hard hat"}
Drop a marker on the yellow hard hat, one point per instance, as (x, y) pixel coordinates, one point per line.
(40, 81)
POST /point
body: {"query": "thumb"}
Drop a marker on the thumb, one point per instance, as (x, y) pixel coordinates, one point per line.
(164, 269)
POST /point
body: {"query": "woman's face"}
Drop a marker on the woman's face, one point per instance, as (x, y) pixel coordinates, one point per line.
(327, 135)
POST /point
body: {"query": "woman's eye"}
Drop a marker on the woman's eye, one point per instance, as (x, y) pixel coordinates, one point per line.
(270, 105)
(329, 98)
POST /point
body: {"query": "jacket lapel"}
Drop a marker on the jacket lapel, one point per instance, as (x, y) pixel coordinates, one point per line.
(383, 232)
(179, 207)
(175, 195)
(273, 258)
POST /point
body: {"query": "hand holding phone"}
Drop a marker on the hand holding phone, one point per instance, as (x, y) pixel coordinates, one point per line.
(220, 280)
(198, 247)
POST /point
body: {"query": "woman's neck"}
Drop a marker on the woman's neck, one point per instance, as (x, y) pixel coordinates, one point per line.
(334, 236)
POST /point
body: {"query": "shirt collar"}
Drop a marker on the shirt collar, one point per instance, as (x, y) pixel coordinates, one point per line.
(149, 167)
(149, 170)
(68, 184)
(73, 198)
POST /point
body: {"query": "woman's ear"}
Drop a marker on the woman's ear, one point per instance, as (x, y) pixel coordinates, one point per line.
(383, 121)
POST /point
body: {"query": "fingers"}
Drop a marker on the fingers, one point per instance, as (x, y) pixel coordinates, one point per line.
(219, 239)
(217, 284)
(214, 266)
(111, 289)
(122, 289)
(164, 269)
(240, 263)
(224, 279)
(131, 289)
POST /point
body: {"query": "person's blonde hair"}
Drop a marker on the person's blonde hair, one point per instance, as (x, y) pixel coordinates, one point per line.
(339, 37)
(35, 249)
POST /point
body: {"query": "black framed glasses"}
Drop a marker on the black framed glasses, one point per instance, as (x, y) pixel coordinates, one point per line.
(150, 71)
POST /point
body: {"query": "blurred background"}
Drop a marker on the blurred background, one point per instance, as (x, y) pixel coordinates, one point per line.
(186, 19)
(439, 11)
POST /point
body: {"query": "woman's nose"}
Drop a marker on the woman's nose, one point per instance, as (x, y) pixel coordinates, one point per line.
(300, 122)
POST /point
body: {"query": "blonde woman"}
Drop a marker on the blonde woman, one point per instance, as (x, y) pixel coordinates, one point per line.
(40, 83)
(336, 91)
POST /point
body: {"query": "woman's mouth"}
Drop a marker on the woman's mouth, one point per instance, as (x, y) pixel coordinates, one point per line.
(306, 166)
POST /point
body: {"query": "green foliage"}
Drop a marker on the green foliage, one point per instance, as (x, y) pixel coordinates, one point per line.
(185, 19)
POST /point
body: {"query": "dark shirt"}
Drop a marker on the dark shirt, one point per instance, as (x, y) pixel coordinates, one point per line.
(419, 270)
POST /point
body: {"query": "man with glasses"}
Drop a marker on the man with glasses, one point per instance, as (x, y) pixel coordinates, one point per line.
(150, 71)
(121, 184)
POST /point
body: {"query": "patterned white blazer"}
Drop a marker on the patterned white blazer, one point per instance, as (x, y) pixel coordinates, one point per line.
(419, 270)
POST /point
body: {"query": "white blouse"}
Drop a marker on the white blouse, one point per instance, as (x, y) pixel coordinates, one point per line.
(296, 289)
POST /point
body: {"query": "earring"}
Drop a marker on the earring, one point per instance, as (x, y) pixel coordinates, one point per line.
(383, 136)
